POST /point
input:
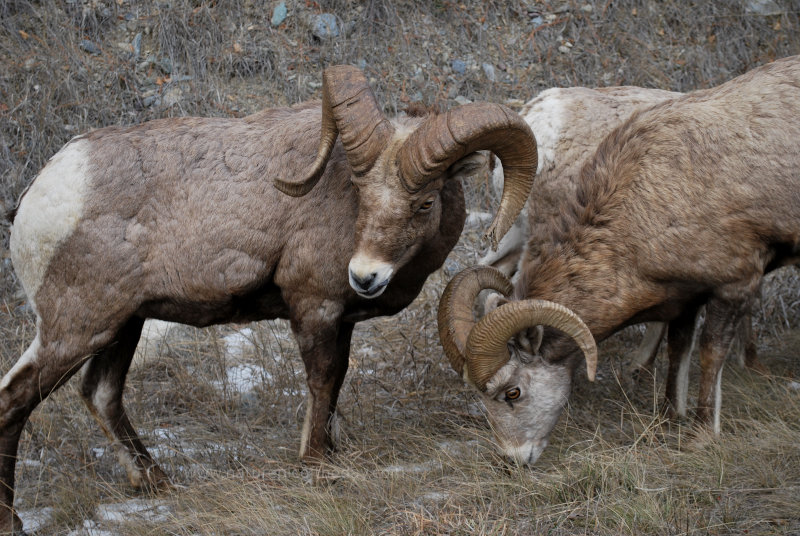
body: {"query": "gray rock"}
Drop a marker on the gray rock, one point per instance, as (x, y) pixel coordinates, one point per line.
(459, 67)
(324, 26)
(763, 7)
(137, 45)
(279, 14)
(488, 70)
(89, 47)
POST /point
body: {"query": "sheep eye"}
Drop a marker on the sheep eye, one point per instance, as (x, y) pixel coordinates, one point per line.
(426, 206)
(513, 394)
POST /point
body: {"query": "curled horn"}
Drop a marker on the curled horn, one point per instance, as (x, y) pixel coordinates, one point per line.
(486, 350)
(443, 139)
(348, 107)
(456, 319)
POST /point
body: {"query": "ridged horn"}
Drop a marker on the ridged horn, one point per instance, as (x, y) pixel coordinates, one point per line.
(443, 139)
(455, 316)
(486, 351)
(349, 108)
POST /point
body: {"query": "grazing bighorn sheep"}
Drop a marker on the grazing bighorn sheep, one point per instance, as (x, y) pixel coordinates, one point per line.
(570, 123)
(179, 220)
(687, 203)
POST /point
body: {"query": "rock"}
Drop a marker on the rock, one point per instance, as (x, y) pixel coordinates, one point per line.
(763, 7)
(89, 47)
(278, 14)
(488, 70)
(324, 26)
(462, 100)
(459, 67)
(137, 45)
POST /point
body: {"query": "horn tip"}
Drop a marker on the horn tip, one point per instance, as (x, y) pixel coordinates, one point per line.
(290, 188)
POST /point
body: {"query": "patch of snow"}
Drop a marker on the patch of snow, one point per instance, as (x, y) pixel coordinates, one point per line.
(244, 378)
(31, 463)
(794, 385)
(34, 519)
(240, 342)
(138, 509)
(91, 528)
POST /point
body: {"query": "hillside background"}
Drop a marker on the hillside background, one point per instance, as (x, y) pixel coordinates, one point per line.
(222, 407)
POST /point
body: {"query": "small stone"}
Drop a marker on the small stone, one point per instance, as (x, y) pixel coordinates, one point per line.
(324, 26)
(89, 47)
(459, 67)
(137, 45)
(488, 70)
(279, 14)
(763, 7)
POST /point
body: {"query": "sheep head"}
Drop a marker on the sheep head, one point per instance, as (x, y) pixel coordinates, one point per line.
(523, 393)
(398, 171)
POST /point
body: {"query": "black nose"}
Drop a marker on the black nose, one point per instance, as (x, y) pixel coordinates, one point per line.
(364, 282)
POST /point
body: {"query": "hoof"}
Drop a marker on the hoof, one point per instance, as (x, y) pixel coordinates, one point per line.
(758, 367)
(151, 480)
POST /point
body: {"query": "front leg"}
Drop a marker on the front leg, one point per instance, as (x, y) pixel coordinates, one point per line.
(324, 342)
(718, 332)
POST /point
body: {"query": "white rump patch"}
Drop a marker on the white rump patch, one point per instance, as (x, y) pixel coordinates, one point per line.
(49, 213)
(27, 357)
(547, 119)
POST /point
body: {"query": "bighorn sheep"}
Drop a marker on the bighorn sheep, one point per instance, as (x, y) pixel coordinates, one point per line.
(570, 123)
(687, 203)
(179, 220)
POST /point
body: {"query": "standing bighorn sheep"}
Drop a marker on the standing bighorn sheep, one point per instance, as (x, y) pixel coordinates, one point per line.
(183, 220)
(687, 203)
(570, 123)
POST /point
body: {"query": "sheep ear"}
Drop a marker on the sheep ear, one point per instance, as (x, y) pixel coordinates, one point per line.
(471, 165)
(493, 301)
(531, 339)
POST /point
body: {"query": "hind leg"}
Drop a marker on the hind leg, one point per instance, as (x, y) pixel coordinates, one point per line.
(102, 385)
(680, 344)
(45, 366)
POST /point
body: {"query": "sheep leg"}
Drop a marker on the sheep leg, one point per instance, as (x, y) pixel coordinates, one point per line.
(102, 384)
(645, 353)
(722, 318)
(44, 367)
(326, 354)
(680, 343)
(748, 339)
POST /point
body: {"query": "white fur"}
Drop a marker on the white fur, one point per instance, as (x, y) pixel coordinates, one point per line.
(28, 356)
(49, 213)
(307, 425)
(362, 266)
(718, 401)
(547, 116)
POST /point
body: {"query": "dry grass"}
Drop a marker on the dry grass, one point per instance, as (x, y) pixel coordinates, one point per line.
(415, 454)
